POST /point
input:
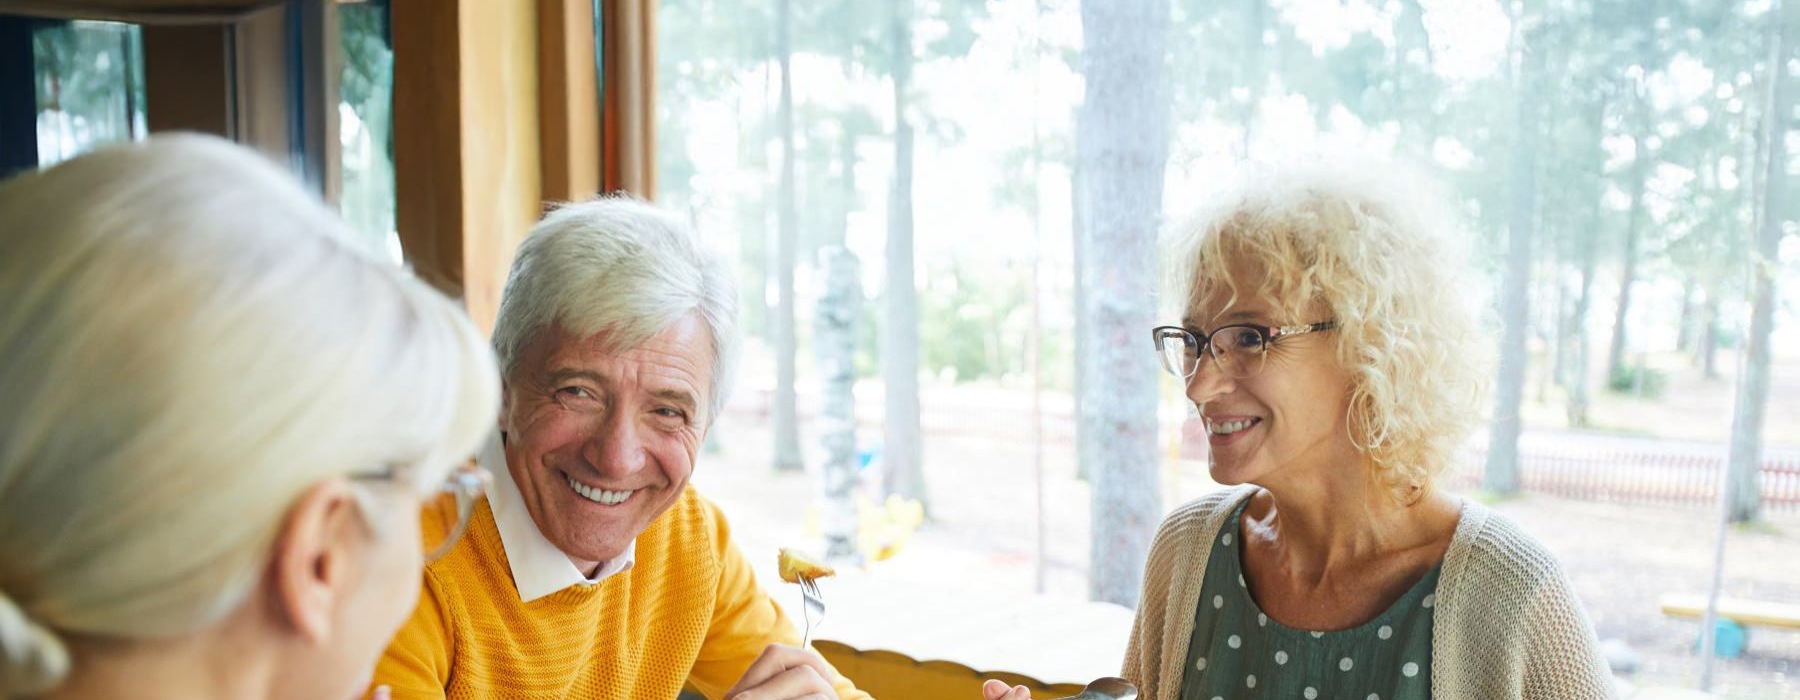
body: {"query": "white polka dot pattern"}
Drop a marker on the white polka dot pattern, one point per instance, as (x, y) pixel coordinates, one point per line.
(1508, 611)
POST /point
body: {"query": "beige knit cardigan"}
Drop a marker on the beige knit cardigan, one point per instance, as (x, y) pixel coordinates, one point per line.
(1506, 624)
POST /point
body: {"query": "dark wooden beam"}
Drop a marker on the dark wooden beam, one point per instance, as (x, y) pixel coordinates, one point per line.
(187, 79)
(569, 97)
(18, 96)
(628, 70)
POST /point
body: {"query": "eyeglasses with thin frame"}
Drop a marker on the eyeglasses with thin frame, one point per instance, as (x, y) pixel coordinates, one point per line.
(1239, 350)
(466, 483)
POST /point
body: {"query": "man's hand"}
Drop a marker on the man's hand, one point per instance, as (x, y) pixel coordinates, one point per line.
(996, 690)
(785, 673)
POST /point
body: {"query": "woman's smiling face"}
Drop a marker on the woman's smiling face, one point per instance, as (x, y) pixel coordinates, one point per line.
(1285, 420)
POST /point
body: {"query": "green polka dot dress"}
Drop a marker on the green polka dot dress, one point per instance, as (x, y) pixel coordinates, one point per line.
(1238, 652)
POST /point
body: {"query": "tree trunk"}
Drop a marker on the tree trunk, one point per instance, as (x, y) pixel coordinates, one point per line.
(1744, 466)
(1502, 471)
(1687, 326)
(787, 428)
(1083, 445)
(753, 254)
(1252, 75)
(835, 328)
(1579, 383)
(901, 452)
(1640, 172)
(1034, 340)
(1123, 154)
(1709, 336)
(846, 185)
(1550, 326)
(1410, 34)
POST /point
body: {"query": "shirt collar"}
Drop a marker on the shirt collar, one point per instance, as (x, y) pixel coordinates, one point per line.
(538, 567)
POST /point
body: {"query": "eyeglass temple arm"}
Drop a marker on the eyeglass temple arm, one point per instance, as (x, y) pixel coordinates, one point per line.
(1279, 331)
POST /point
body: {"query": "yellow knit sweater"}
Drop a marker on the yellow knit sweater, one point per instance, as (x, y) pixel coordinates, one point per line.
(688, 611)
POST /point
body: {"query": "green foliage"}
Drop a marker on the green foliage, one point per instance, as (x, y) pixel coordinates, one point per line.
(963, 324)
(974, 325)
(868, 339)
(1727, 338)
(1647, 382)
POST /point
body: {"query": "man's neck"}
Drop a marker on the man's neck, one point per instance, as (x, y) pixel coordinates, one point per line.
(588, 569)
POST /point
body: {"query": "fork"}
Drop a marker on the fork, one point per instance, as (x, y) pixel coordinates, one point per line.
(1108, 688)
(812, 606)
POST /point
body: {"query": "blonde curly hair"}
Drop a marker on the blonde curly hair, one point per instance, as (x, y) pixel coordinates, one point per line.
(1371, 249)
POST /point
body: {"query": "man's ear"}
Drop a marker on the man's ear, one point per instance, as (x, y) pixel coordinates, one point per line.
(313, 558)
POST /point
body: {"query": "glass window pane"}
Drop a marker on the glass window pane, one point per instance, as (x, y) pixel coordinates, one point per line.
(365, 127)
(1642, 155)
(90, 87)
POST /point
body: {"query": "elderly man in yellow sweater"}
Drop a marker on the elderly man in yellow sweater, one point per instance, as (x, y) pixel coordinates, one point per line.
(592, 569)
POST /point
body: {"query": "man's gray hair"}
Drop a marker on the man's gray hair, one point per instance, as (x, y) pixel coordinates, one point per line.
(624, 266)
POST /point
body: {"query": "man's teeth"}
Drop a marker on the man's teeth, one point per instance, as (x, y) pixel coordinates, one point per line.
(601, 496)
(1231, 426)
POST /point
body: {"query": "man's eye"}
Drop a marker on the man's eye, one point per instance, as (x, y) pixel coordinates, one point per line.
(574, 394)
(670, 413)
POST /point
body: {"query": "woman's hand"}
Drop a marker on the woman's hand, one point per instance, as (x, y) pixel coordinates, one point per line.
(785, 673)
(997, 690)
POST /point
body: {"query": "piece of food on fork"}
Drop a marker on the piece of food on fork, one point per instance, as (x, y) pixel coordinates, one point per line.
(796, 565)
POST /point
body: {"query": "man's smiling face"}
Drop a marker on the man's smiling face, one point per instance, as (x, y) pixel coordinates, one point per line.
(601, 443)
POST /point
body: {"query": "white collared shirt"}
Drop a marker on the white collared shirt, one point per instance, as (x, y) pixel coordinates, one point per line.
(538, 567)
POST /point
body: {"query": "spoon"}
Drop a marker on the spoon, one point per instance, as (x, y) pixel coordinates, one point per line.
(1107, 689)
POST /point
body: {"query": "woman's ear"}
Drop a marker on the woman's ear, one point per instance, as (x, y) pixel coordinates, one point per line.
(313, 569)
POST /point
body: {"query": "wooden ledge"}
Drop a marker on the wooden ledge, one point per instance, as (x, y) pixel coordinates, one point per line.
(1744, 612)
(892, 675)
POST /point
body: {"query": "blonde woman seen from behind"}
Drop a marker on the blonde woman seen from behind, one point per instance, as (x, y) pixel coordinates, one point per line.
(221, 420)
